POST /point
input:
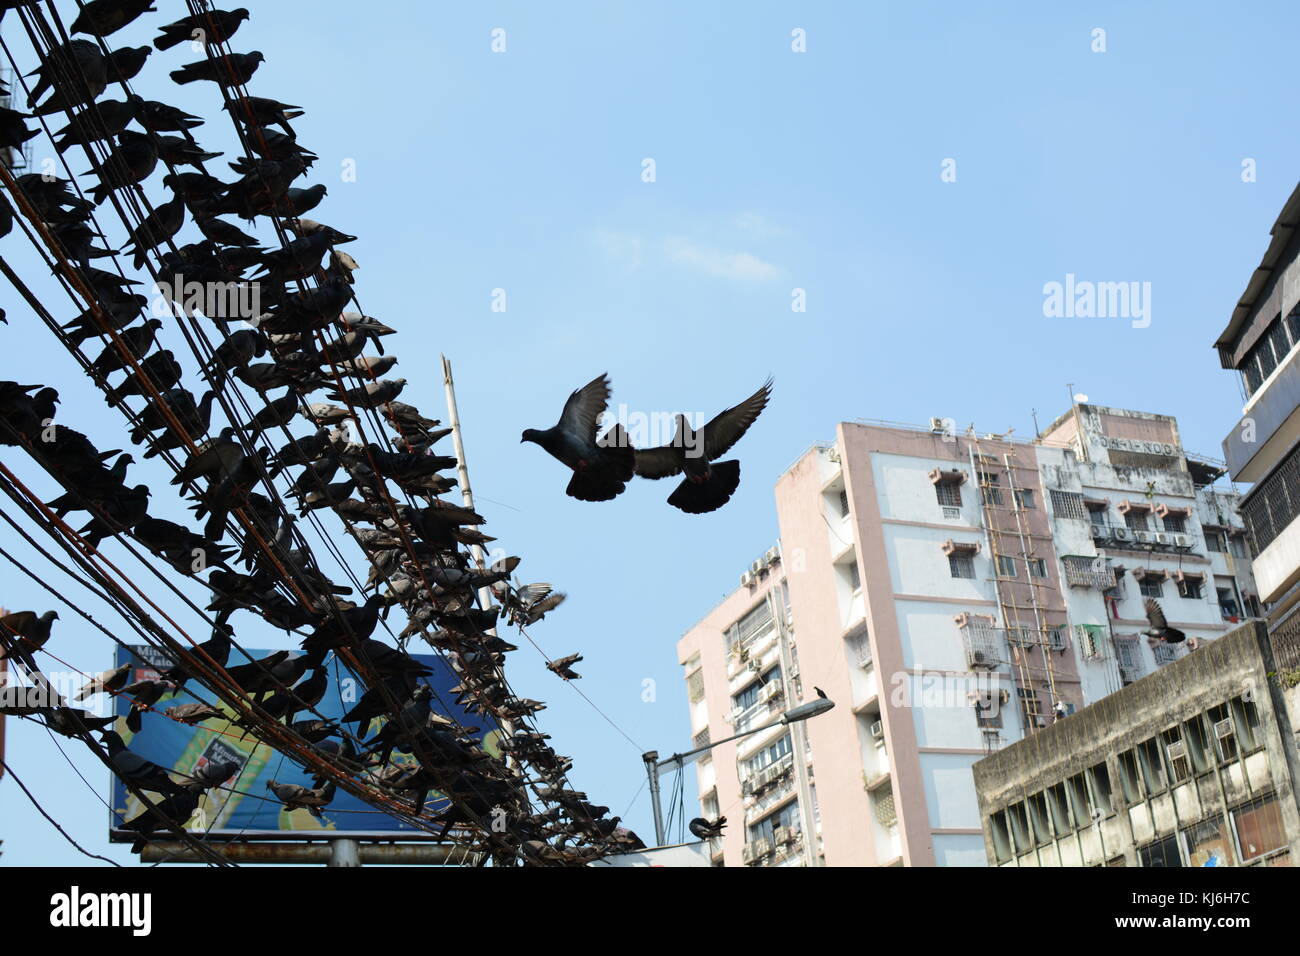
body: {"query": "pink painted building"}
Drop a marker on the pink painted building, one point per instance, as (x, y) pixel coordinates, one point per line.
(951, 593)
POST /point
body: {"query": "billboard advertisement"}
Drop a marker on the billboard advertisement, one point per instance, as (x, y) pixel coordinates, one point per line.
(243, 805)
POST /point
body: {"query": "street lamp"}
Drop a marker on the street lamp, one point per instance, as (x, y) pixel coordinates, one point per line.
(654, 766)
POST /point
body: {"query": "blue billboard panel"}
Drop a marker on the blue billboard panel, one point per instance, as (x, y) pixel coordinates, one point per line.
(243, 804)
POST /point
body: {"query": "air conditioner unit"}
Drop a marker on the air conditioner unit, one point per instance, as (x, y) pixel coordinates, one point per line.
(769, 691)
(1183, 540)
(1223, 728)
(1177, 750)
(980, 659)
(746, 786)
(756, 568)
(746, 579)
(877, 730)
(937, 426)
(1143, 537)
(1163, 537)
(1098, 531)
(1121, 534)
(773, 555)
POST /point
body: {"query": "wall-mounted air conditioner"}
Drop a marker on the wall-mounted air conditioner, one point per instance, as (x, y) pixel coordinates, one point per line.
(1143, 537)
(877, 730)
(1183, 540)
(1163, 537)
(1122, 534)
(746, 579)
(1098, 531)
(756, 568)
(773, 555)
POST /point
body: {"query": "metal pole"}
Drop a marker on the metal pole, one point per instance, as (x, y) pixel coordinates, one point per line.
(462, 470)
(345, 853)
(651, 759)
(278, 854)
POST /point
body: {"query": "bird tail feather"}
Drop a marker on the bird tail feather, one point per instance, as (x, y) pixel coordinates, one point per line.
(710, 494)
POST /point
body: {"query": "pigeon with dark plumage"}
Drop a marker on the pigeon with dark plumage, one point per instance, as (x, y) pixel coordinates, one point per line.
(28, 630)
(563, 666)
(602, 466)
(134, 159)
(175, 809)
(83, 63)
(235, 69)
(99, 18)
(144, 694)
(145, 774)
(212, 27)
(707, 829)
(104, 121)
(709, 484)
(1159, 626)
(126, 63)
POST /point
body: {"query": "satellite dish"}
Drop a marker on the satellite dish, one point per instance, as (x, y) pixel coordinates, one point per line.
(1081, 398)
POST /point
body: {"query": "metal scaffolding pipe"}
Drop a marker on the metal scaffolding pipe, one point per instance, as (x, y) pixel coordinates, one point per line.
(323, 853)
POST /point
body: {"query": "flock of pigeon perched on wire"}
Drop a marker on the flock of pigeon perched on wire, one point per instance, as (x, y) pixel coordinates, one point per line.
(511, 807)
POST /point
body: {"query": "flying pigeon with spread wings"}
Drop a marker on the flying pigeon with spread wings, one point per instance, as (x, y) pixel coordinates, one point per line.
(709, 483)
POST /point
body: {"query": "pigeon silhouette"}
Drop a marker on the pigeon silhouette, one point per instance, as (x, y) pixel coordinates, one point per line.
(603, 466)
(709, 484)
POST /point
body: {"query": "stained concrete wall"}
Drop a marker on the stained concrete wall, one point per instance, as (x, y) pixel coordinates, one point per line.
(1240, 662)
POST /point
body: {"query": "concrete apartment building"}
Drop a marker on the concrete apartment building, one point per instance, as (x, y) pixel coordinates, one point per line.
(1192, 766)
(1262, 343)
(953, 594)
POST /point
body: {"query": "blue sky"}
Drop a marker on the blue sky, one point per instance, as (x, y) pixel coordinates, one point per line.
(774, 170)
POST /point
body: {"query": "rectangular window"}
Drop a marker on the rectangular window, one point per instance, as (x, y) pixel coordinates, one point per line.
(1259, 829)
(1225, 732)
(1097, 516)
(844, 503)
(948, 494)
(1165, 654)
(1037, 567)
(1209, 843)
(855, 579)
(1152, 765)
(961, 565)
(1175, 523)
(695, 686)
(989, 489)
(1161, 853)
(1025, 497)
(1176, 750)
(1152, 586)
(1006, 566)
(1214, 541)
(1137, 520)
(1237, 544)
(1129, 779)
(1190, 588)
(1067, 504)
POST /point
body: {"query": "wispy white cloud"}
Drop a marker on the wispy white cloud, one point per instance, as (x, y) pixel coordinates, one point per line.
(756, 224)
(634, 251)
(718, 263)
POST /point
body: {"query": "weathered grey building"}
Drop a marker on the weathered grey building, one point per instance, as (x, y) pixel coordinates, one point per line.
(1193, 765)
(1262, 343)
